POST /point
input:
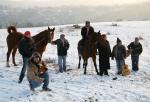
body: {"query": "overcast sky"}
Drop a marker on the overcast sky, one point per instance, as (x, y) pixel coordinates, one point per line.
(70, 2)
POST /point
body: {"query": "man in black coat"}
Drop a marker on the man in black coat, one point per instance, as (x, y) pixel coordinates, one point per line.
(104, 55)
(26, 49)
(62, 47)
(136, 49)
(86, 31)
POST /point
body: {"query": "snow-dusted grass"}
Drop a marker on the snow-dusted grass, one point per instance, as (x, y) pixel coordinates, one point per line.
(73, 86)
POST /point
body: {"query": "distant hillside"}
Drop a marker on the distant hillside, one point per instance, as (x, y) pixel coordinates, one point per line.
(36, 16)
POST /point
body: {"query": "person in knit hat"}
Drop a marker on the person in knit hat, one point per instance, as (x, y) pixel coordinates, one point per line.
(119, 53)
(26, 49)
(62, 48)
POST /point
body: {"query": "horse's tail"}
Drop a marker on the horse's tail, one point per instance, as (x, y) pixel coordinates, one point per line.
(79, 47)
(11, 29)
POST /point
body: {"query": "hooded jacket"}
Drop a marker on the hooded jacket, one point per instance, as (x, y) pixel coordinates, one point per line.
(32, 69)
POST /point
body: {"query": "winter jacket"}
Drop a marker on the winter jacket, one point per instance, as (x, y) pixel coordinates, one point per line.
(33, 71)
(119, 52)
(84, 32)
(104, 54)
(104, 50)
(61, 49)
(26, 47)
(136, 49)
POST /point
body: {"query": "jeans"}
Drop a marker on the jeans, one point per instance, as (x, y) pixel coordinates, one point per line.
(62, 63)
(34, 84)
(22, 74)
(135, 61)
(120, 64)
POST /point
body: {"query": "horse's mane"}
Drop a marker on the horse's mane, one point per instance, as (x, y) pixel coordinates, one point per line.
(40, 34)
(93, 37)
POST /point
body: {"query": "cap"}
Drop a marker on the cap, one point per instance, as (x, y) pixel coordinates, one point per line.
(118, 40)
(27, 34)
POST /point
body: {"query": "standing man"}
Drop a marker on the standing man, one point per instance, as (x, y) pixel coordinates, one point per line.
(119, 52)
(62, 47)
(86, 31)
(104, 55)
(25, 49)
(136, 49)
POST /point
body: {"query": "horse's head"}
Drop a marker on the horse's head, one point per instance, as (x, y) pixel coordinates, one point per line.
(100, 38)
(50, 33)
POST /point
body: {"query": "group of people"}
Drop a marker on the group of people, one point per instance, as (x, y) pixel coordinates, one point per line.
(32, 59)
(31, 63)
(118, 52)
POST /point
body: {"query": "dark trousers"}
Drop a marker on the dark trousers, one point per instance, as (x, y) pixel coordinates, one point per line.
(103, 71)
(135, 62)
(22, 74)
(104, 65)
(83, 41)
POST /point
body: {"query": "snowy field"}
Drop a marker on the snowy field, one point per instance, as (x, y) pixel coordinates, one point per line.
(73, 86)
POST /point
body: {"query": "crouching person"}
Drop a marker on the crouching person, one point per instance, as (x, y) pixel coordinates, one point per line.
(37, 73)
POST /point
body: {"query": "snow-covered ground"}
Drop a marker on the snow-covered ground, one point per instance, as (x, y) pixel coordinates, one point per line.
(73, 86)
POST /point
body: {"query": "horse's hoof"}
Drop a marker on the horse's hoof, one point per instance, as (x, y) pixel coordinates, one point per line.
(7, 64)
(84, 73)
(15, 65)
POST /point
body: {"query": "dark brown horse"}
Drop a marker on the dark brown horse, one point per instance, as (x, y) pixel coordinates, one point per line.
(89, 50)
(40, 40)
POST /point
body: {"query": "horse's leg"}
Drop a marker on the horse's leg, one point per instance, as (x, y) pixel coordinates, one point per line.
(8, 55)
(85, 65)
(79, 62)
(95, 65)
(13, 55)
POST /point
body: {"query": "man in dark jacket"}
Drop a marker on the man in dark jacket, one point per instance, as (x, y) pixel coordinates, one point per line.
(25, 49)
(119, 52)
(104, 54)
(86, 31)
(62, 47)
(136, 49)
